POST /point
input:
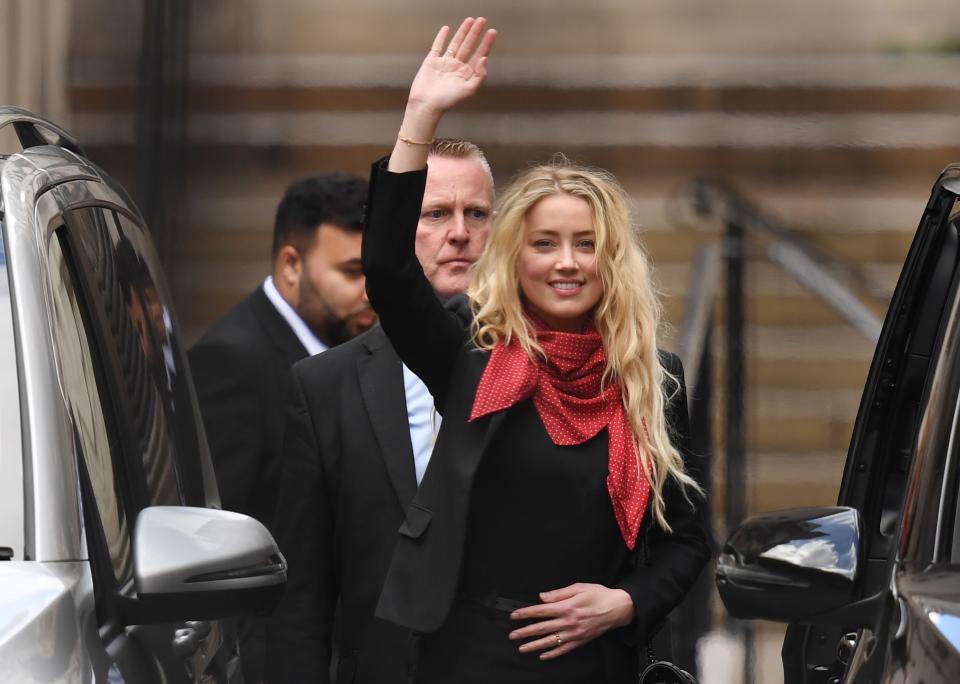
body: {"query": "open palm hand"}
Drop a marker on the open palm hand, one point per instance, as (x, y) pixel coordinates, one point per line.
(449, 76)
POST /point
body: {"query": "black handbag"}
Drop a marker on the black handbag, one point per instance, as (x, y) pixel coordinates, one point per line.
(663, 672)
(660, 671)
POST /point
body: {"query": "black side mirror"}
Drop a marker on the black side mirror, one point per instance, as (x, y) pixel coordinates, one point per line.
(791, 566)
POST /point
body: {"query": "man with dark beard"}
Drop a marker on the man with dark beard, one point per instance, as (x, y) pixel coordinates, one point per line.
(314, 299)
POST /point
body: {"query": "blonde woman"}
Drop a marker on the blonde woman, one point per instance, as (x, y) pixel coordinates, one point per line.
(556, 525)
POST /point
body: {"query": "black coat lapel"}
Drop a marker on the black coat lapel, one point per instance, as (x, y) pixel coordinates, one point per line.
(277, 328)
(381, 384)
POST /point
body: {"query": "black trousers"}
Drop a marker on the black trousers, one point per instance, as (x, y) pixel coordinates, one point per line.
(473, 648)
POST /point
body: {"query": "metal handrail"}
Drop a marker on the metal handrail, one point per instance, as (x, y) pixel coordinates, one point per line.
(698, 313)
(821, 272)
(818, 280)
(826, 275)
(717, 197)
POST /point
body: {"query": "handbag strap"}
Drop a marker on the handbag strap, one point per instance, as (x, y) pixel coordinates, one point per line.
(675, 673)
(644, 555)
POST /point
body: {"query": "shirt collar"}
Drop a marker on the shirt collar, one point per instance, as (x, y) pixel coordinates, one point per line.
(310, 342)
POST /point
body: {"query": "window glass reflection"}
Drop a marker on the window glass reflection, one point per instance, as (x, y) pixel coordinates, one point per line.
(85, 405)
(134, 332)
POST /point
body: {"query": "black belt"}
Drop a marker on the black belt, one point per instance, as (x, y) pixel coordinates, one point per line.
(489, 599)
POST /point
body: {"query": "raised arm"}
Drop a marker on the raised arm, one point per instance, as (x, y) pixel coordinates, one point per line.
(425, 335)
(450, 74)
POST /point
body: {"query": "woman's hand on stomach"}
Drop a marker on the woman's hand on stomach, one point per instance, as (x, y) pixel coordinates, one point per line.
(570, 617)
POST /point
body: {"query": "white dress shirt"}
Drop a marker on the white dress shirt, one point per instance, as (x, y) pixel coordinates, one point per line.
(423, 419)
(310, 342)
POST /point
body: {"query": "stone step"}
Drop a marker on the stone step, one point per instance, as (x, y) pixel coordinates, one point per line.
(800, 433)
(912, 170)
(809, 342)
(820, 373)
(881, 254)
(742, 98)
(694, 28)
(765, 372)
(765, 278)
(829, 405)
(806, 354)
(239, 198)
(838, 224)
(785, 479)
(204, 290)
(771, 309)
(793, 425)
(905, 195)
(368, 65)
(568, 129)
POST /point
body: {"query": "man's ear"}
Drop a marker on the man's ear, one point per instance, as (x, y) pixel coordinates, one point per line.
(289, 266)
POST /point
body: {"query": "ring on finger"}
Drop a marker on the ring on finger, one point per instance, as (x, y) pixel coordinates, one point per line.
(558, 638)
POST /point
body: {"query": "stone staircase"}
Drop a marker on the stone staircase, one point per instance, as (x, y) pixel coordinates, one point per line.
(824, 126)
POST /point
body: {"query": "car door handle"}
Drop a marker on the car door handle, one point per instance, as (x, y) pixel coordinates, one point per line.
(185, 642)
(848, 642)
(201, 627)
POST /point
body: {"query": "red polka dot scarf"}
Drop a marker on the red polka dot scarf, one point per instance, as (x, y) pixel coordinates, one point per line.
(566, 393)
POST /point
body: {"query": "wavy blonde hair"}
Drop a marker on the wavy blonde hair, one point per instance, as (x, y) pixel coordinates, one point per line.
(627, 315)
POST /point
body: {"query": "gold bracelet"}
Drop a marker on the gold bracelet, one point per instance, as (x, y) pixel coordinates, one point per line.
(404, 139)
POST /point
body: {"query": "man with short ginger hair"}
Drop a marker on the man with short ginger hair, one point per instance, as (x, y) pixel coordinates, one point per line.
(360, 431)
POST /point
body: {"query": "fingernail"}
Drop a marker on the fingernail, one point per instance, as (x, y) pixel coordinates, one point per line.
(513, 616)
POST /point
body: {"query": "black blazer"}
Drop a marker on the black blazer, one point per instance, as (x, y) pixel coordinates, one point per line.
(347, 478)
(422, 580)
(241, 369)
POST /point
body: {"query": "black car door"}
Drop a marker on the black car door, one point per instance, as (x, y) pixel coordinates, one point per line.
(881, 449)
(916, 637)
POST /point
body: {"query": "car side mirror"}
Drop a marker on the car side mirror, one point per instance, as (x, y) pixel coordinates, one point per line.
(202, 563)
(796, 565)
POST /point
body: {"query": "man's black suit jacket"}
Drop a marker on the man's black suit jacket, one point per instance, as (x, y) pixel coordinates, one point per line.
(241, 369)
(347, 479)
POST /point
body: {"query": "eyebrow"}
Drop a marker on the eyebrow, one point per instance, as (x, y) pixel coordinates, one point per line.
(548, 231)
(444, 204)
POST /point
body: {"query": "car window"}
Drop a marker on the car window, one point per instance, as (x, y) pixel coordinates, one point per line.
(86, 408)
(928, 516)
(943, 464)
(950, 494)
(954, 503)
(895, 401)
(115, 280)
(152, 311)
(11, 455)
